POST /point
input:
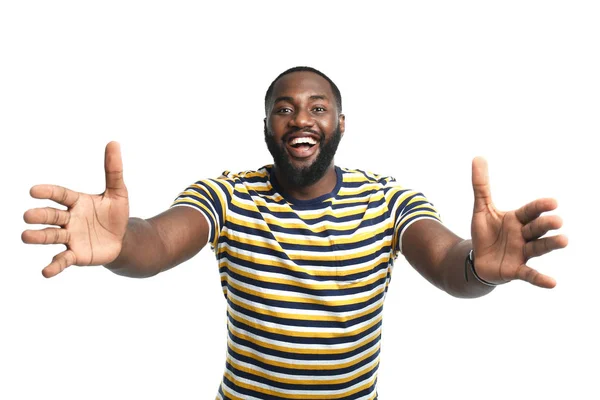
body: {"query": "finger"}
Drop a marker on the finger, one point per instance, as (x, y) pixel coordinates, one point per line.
(46, 236)
(481, 184)
(540, 226)
(545, 245)
(532, 210)
(47, 216)
(59, 263)
(113, 168)
(532, 276)
(55, 193)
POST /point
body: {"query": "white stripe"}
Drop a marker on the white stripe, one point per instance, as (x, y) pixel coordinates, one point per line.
(311, 283)
(306, 240)
(320, 299)
(236, 394)
(272, 327)
(323, 378)
(293, 363)
(329, 224)
(324, 347)
(304, 392)
(317, 313)
(259, 257)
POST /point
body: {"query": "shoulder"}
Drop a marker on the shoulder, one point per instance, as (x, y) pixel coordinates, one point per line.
(250, 175)
(246, 180)
(359, 177)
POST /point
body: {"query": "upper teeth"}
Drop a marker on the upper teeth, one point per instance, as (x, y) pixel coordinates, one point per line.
(299, 140)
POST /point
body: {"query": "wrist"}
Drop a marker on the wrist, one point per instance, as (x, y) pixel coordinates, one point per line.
(470, 265)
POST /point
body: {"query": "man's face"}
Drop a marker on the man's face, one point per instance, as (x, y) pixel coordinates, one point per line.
(303, 127)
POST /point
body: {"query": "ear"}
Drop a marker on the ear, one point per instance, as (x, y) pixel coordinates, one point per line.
(342, 123)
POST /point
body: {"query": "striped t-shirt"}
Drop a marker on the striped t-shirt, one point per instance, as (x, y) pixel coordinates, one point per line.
(304, 281)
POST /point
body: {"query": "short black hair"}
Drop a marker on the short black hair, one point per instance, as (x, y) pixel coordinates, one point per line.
(336, 92)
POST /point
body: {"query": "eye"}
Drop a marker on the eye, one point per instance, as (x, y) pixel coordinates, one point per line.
(284, 110)
(319, 109)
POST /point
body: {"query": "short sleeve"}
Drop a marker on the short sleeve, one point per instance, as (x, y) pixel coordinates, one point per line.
(211, 197)
(406, 207)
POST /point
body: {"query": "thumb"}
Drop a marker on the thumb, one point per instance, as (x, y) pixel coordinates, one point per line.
(113, 168)
(481, 184)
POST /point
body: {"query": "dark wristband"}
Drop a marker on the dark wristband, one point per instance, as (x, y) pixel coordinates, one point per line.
(470, 263)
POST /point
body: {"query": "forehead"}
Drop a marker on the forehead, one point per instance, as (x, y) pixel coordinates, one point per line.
(302, 83)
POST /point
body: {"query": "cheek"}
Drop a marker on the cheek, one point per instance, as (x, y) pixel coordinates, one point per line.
(328, 125)
(277, 126)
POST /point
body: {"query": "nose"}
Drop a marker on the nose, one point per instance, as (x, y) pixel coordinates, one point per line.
(302, 119)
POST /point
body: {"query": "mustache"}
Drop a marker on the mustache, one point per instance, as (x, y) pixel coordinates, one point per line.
(303, 130)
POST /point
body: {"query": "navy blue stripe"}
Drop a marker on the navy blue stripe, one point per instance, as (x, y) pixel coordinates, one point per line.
(312, 387)
(291, 215)
(304, 323)
(304, 231)
(338, 278)
(325, 248)
(305, 340)
(304, 275)
(308, 290)
(263, 396)
(305, 356)
(413, 217)
(324, 263)
(306, 306)
(250, 393)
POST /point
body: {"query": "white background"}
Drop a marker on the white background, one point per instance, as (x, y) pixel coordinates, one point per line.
(426, 86)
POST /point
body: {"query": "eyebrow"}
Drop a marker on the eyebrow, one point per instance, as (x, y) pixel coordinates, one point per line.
(291, 99)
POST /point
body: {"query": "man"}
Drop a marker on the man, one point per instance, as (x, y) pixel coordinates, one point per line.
(305, 248)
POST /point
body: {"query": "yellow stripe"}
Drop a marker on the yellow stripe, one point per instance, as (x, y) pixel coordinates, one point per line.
(340, 257)
(368, 384)
(290, 267)
(307, 285)
(336, 272)
(424, 212)
(322, 300)
(304, 216)
(197, 203)
(325, 242)
(295, 350)
(292, 333)
(229, 394)
(302, 317)
(271, 377)
(345, 226)
(298, 363)
(360, 190)
(324, 256)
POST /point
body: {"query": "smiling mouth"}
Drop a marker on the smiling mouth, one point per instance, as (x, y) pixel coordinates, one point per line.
(302, 142)
(302, 147)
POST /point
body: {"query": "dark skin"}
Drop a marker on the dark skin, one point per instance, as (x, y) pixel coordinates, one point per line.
(303, 101)
(97, 230)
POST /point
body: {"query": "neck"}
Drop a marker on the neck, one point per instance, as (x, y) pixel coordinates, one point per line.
(321, 187)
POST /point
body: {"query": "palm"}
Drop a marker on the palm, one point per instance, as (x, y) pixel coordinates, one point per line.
(503, 242)
(96, 228)
(92, 227)
(497, 237)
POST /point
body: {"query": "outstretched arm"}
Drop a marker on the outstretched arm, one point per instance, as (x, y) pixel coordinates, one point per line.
(160, 243)
(97, 230)
(502, 243)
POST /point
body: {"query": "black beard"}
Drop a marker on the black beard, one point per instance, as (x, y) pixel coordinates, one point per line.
(302, 177)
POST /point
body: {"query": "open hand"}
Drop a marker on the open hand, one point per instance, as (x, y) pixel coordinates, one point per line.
(503, 242)
(92, 227)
